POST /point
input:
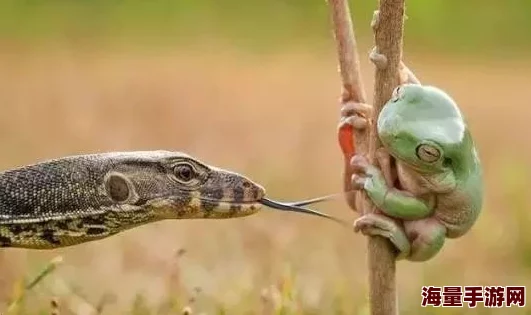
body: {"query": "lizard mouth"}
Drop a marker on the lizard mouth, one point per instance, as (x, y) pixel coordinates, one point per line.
(229, 209)
(230, 203)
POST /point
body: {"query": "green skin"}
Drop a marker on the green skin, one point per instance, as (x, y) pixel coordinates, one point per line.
(429, 182)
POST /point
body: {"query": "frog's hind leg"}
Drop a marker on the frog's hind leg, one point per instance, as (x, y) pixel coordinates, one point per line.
(427, 238)
(373, 224)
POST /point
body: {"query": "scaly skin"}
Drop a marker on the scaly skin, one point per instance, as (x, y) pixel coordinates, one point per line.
(78, 199)
(429, 182)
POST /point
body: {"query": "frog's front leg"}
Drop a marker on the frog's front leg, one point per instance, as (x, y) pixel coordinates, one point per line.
(354, 116)
(406, 75)
(373, 224)
(393, 202)
(384, 161)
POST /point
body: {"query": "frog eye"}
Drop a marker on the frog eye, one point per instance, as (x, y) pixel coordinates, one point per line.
(396, 95)
(428, 153)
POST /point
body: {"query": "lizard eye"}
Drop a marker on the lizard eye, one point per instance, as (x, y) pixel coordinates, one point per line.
(184, 172)
(428, 153)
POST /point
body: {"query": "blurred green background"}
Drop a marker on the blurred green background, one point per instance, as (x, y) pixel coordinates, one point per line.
(492, 27)
(253, 86)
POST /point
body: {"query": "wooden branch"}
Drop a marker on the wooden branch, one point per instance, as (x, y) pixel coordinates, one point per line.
(347, 52)
(352, 89)
(388, 32)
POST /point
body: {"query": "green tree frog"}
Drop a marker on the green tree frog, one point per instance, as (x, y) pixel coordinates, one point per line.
(428, 182)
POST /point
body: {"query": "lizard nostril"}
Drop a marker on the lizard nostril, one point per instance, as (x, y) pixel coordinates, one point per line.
(259, 193)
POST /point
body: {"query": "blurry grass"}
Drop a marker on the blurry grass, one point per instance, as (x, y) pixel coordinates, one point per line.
(21, 288)
(515, 182)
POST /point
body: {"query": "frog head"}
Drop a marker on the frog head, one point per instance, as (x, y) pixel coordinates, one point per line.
(423, 127)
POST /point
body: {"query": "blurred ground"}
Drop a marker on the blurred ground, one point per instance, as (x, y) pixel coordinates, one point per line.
(273, 117)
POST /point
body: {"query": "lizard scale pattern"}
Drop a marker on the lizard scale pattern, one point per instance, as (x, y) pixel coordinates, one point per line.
(77, 199)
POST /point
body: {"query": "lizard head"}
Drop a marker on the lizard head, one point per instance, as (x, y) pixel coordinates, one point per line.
(176, 185)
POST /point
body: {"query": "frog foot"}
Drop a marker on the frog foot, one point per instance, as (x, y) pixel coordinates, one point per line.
(378, 59)
(369, 178)
(373, 224)
(354, 116)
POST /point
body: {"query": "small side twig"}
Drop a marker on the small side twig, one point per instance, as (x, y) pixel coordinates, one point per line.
(347, 52)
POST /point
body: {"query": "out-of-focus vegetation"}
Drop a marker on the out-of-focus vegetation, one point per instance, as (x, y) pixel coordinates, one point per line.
(183, 78)
(495, 27)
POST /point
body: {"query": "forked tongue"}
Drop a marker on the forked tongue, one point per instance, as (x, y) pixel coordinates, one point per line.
(318, 199)
(297, 207)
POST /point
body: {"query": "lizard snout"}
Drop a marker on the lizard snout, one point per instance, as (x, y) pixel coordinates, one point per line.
(255, 191)
(231, 188)
(245, 191)
(227, 195)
